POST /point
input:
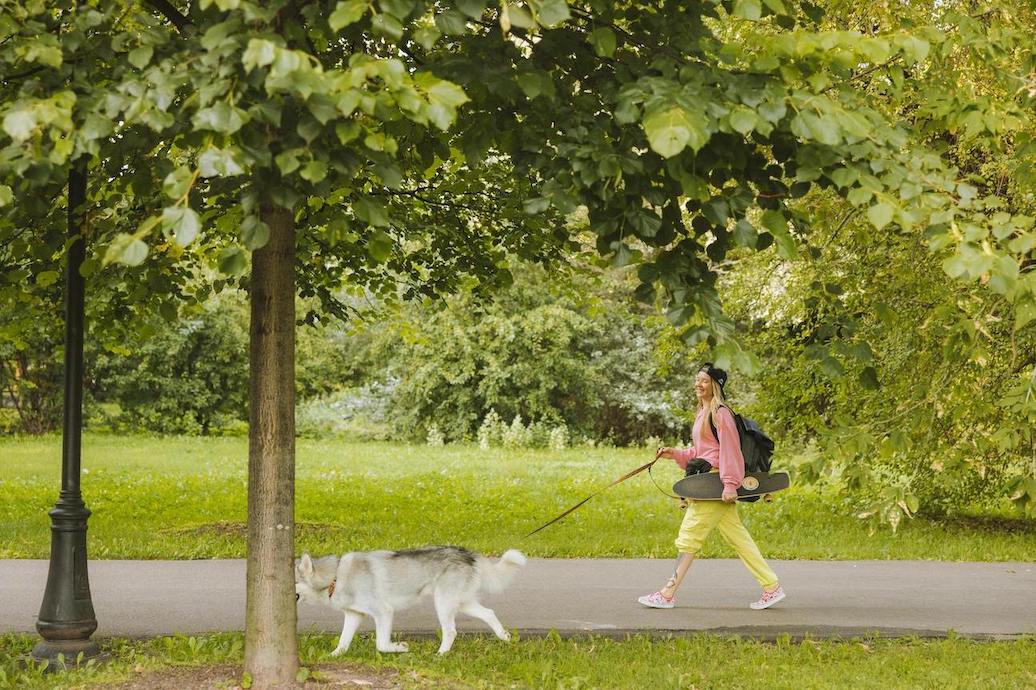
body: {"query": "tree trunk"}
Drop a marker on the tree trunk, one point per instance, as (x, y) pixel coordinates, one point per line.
(271, 649)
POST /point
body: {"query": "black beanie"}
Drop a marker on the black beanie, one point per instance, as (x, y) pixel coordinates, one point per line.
(717, 375)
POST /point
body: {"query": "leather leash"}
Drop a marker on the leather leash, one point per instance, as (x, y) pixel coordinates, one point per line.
(631, 473)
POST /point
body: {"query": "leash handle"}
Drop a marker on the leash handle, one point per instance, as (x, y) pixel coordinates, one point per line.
(631, 473)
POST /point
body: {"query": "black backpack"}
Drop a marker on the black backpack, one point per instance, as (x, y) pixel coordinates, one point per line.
(756, 446)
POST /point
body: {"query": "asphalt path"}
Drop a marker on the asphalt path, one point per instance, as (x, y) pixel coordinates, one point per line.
(578, 596)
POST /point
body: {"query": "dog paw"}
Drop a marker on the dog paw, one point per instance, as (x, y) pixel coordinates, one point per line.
(338, 651)
(395, 647)
(505, 636)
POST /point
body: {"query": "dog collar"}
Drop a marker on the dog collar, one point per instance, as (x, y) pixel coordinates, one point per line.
(331, 588)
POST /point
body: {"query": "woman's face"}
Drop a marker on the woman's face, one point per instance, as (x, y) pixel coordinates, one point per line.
(703, 387)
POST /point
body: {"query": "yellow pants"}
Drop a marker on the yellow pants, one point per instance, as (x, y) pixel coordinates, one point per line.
(704, 516)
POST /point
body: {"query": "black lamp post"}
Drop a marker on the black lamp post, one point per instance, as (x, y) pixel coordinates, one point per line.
(66, 619)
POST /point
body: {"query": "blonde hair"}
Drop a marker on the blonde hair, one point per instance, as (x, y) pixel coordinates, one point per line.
(717, 400)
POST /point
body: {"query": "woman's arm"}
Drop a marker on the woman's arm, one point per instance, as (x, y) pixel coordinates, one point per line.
(681, 456)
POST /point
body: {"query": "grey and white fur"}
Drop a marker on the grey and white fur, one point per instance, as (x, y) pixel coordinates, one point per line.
(379, 583)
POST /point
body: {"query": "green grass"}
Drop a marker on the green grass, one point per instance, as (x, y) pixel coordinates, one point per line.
(186, 498)
(700, 661)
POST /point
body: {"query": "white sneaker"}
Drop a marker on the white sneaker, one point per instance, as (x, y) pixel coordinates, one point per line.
(655, 600)
(768, 599)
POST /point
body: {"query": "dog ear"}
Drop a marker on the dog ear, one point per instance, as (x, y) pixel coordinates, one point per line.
(306, 565)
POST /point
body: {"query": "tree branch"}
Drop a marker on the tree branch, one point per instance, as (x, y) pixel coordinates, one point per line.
(170, 12)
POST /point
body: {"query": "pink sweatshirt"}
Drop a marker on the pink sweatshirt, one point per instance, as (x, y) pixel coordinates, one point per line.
(724, 454)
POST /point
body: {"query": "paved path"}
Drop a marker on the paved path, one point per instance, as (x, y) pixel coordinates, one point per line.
(825, 598)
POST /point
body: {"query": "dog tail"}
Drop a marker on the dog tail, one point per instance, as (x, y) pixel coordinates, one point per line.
(496, 576)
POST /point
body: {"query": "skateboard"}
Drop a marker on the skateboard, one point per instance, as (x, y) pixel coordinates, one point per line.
(708, 487)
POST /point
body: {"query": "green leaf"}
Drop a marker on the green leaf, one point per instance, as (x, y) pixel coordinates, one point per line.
(880, 214)
(19, 124)
(858, 196)
(451, 22)
(427, 36)
(749, 9)
(869, 379)
(346, 131)
(603, 41)
(400, 9)
(832, 367)
(6, 195)
(176, 183)
(370, 211)
(314, 171)
(388, 26)
(215, 162)
(309, 129)
(550, 13)
(716, 212)
(912, 503)
(536, 205)
(47, 278)
(140, 57)
(347, 13)
(379, 246)
(259, 53)
(843, 177)
(914, 49)
(515, 15)
(1025, 312)
(221, 117)
(745, 233)
(254, 233)
(447, 93)
(126, 249)
(288, 161)
(182, 222)
(670, 131)
(472, 8)
(232, 261)
(743, 120)
(773, 111)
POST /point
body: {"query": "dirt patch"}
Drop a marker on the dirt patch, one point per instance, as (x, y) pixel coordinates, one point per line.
(228, 677)
(239, 530)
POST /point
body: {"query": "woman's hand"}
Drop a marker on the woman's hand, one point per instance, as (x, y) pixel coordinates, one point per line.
(664, 453)
(729, 495)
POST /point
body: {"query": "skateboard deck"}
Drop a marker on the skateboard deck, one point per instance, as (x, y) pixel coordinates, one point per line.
(708, 487)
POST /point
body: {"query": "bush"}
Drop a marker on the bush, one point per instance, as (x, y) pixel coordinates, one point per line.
(548, 353)
(356, 412)
(190, 377)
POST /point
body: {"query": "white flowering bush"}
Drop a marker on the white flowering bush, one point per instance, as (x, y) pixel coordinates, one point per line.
(558, 439)
(491, 431)
(359, 412)
(435, 437)
(517, 435)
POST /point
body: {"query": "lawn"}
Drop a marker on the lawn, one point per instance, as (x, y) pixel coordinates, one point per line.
(700, 661)
(185, 498)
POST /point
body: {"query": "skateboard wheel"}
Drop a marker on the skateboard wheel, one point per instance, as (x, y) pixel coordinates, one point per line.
(750, 484)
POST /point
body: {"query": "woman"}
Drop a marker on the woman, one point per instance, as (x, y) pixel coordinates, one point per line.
(723, 455)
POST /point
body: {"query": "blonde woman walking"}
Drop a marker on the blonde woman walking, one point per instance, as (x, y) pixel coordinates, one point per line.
(712, 454)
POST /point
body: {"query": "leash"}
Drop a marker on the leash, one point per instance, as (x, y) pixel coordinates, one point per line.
(628, 475)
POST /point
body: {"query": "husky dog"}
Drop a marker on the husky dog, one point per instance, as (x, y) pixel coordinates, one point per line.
(378, 583)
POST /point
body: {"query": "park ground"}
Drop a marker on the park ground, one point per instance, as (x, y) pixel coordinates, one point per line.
(184, 498)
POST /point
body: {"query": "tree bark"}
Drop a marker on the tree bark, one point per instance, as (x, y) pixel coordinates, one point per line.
(271, 649)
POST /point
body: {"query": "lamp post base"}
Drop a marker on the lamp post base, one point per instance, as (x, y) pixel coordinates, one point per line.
(62, 654)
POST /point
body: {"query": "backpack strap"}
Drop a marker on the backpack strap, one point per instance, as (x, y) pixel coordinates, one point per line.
(712, 425)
